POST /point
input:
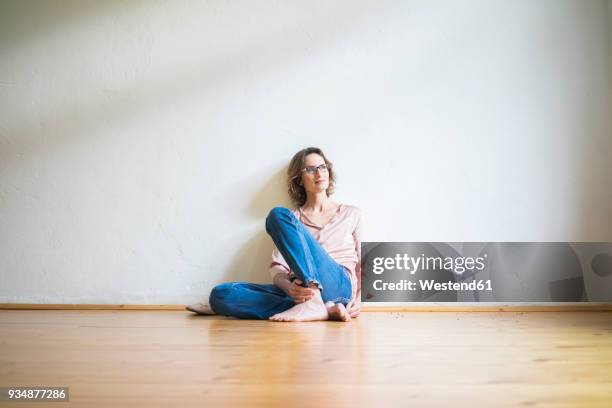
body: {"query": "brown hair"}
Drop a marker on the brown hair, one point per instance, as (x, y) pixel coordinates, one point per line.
(297, 192)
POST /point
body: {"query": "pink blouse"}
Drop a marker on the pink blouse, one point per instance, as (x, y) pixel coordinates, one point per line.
(340, 237)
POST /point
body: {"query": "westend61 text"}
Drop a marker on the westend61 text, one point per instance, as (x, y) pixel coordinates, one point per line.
(429, 284)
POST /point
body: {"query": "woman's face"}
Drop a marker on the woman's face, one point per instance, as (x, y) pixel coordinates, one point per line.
(319, 180)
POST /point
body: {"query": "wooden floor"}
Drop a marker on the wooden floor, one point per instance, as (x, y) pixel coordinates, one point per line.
(443, 359)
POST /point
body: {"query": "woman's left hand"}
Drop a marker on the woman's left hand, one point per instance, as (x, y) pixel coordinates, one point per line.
(354, 308)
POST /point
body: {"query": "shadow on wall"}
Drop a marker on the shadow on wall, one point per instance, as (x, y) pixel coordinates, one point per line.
(93, 109)
(273, 193)
(27, 21)
(251, 261)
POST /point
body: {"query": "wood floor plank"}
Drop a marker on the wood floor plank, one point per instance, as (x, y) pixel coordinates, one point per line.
(165, 358)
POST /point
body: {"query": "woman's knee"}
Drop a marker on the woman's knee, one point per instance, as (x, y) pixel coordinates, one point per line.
(275, 215)
(219, 295)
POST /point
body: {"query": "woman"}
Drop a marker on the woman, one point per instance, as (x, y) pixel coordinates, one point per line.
(316, 262)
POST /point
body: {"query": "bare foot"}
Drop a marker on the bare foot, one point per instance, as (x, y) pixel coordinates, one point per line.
(313, 309)
(201, 308)
(337, 311)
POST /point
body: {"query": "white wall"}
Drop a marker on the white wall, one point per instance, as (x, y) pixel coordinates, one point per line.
(143, 143)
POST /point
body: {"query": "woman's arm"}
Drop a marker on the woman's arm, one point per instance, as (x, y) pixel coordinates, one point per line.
(354, 306)
(280, 273)
(281, 279)
(279, 270)
(280, 276)
(293, 289)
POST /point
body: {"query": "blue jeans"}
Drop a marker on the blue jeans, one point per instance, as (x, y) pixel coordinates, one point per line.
(306, 258)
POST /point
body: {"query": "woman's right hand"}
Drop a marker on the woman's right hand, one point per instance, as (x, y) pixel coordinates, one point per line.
(299, 293)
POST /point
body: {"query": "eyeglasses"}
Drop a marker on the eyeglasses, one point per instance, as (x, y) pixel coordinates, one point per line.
(323, 168)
